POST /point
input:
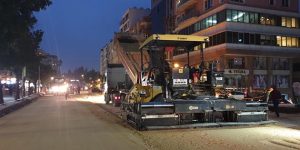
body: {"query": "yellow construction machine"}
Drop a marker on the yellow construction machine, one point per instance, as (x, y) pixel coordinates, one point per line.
(164, 95)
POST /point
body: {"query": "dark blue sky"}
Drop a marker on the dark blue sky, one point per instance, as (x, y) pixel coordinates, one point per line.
(75, 30)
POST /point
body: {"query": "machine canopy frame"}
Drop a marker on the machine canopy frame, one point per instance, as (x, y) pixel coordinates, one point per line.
(173, 40)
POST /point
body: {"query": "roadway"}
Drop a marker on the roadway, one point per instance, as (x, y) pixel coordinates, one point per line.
(52, 123)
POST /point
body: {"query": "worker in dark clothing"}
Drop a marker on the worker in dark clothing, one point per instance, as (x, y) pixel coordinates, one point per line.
(275, 96)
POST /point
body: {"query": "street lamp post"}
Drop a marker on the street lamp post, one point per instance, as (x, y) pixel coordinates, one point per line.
(39, 80)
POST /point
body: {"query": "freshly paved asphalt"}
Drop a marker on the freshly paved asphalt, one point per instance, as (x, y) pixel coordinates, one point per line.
(52, 123)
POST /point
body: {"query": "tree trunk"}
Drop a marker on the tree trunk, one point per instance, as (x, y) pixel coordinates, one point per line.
(23, 87)
(35, 87)
(17, 88)
(1, 94)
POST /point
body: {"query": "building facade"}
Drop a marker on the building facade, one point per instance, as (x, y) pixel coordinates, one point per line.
(134, 21)
(163, 16)
(256, 43)
(131, 17)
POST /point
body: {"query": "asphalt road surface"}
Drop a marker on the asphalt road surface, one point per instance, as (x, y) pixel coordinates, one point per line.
(52, 123)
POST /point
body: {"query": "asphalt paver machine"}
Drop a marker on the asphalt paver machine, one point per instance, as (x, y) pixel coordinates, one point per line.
(164, 96)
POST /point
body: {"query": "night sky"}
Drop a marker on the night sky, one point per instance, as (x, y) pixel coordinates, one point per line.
(76, 30)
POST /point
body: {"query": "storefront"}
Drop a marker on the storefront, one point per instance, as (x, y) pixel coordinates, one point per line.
(236, 79)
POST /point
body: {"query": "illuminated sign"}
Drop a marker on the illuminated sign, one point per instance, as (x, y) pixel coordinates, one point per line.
(236, 71)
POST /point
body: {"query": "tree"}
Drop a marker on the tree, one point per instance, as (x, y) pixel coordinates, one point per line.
(18, 40)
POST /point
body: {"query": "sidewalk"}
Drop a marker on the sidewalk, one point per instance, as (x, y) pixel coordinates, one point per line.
(8, 99)
(10, 104)
(286, 108)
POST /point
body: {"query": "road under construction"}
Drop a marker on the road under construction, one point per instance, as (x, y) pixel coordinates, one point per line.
(165, 95)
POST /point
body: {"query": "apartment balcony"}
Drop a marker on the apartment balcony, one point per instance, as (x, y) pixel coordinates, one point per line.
(184, 4)
(192, 15)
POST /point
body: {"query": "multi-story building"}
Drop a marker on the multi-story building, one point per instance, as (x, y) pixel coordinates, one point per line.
(143, 26)
(255, 42)
(134, 21)
(163, 16)
(131, 17)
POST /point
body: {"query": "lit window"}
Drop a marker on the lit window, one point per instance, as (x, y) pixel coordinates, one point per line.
(278, 41)
(283, 41)
(289, 41)
(294, 42)
(283, 21)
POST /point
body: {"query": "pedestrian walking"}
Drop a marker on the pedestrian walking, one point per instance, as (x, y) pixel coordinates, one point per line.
(275, 97)
(67, 94)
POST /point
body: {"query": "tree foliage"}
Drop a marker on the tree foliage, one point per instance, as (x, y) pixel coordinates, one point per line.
(18, 39)
(83, 74)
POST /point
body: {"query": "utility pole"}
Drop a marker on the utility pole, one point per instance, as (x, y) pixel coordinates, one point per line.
(39, 80)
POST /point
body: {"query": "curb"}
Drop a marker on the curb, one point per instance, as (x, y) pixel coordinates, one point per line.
(20, 103)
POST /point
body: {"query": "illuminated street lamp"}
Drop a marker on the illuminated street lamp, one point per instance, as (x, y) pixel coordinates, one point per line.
(52, 78)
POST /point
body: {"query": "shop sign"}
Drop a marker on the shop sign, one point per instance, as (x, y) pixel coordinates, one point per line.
(236, 71)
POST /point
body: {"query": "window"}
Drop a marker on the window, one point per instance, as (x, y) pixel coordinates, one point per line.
(267, 19)
(281, 64)
(241, 38)
(260, 63)
(229, 37)
(285, 3)
(259, 81)
(267, 40)
(289, 22)
(271, 2)
(236, 63)
(296, 67)
(283, 41)
(240, 16)
(246, 38)
(295, 42)
(234, 15)
(228, 15)
(221, 16)
(281, 81)
(208, 4)
(246, 17)
(252, 39)
(217, 39)
(235, 37)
